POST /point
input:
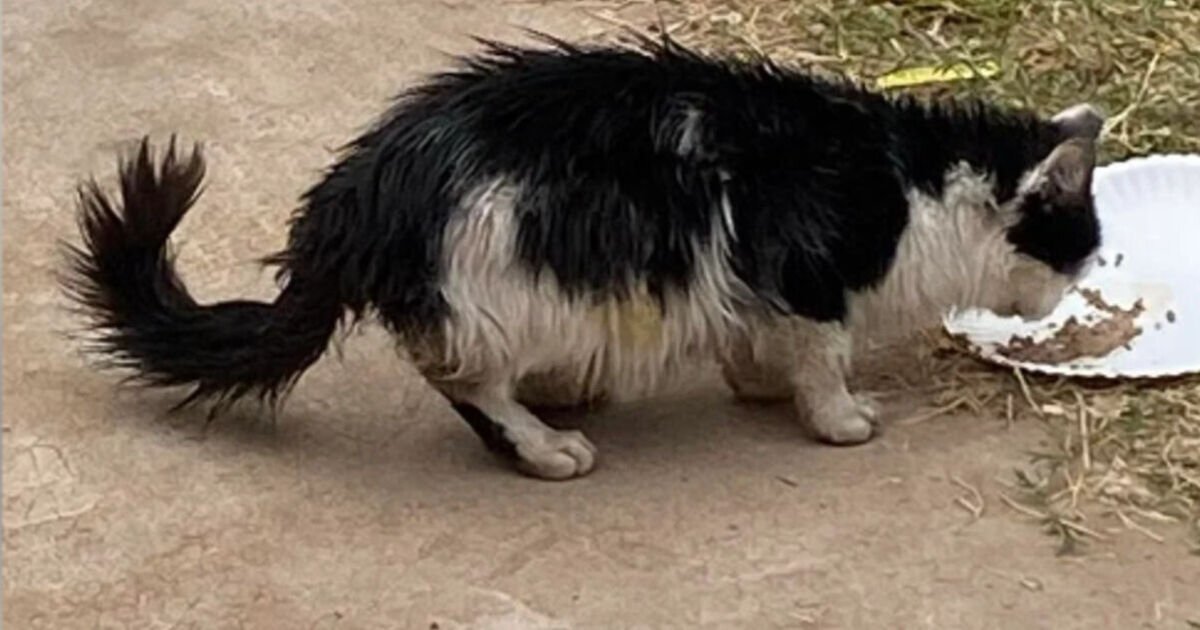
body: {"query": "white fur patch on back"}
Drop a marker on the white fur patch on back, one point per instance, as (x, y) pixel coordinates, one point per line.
(504, 323)
(689, 133)
(953, 253)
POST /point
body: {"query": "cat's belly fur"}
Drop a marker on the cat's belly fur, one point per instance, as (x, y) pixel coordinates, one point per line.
(505, 322)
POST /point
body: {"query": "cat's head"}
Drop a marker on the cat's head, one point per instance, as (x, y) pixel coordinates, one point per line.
(1052, 228)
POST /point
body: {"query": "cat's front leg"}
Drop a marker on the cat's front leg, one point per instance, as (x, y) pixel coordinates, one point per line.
(758, 364)
(822, 363)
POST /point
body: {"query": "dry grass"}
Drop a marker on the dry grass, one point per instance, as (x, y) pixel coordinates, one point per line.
(1138, 60)
(1123, 455)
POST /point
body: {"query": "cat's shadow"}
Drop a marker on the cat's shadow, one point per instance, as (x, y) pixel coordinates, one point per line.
(674, 430)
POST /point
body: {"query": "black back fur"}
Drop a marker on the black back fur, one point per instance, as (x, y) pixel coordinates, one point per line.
(816, 172)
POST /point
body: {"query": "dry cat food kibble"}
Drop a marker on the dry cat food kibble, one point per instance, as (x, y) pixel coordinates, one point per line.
(1074, 340)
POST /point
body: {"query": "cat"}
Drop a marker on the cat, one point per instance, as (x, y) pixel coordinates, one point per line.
(554, 224)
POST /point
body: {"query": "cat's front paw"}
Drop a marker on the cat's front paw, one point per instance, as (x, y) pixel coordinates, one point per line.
(847, 423)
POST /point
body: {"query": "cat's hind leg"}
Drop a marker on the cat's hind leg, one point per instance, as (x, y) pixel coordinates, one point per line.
(509, 429)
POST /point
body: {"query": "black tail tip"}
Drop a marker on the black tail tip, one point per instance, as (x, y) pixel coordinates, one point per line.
(155, 194)
(122, 257)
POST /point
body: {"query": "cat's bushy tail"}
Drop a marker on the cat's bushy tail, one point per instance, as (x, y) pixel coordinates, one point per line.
(123, 278)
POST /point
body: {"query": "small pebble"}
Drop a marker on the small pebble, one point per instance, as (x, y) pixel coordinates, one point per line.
(1117, 262)
(1170, 317)
(1032, 584)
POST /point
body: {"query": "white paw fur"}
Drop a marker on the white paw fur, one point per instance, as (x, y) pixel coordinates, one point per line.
(847, 421)
(557, 455)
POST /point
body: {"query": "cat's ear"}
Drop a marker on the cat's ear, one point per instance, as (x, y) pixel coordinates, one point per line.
(1080, 121)
(1066, 174)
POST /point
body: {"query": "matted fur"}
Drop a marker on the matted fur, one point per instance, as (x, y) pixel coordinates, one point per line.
(570, 224)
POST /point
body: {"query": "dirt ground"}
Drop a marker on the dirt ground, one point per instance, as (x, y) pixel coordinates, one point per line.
(370, 504)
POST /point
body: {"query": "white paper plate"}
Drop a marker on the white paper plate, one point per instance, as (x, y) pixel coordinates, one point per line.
(1149, 210)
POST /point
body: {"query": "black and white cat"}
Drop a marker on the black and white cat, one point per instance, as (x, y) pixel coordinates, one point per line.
(556, 224)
